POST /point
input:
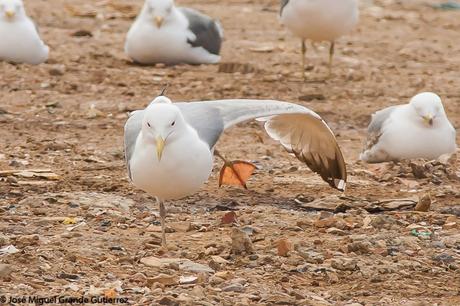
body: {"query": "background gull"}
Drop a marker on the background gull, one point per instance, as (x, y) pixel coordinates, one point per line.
(419, 129)
(19, 39)
(169, 147)
(319, 20)
(164, 33)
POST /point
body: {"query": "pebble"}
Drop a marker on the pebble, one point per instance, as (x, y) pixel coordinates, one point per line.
(344, 264)
(5, 270)
(241, 243)
(234, 287)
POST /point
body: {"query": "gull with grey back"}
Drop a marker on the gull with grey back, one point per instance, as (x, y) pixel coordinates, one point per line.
(164, 33)
(170, 147)
(419, 129)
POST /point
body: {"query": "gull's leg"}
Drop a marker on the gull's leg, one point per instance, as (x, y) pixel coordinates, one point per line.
(303, 51)
(234, 173)
(331, 56)
(163, 222)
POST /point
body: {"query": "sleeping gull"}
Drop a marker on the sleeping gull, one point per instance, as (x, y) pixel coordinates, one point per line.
(164, 33)
(419, 129)
(19, 39)
(319, 20)
(170, 147)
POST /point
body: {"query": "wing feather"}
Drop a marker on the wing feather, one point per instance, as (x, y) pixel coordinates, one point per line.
(299, 130)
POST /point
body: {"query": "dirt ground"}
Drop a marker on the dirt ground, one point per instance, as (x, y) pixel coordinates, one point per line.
(80, 228)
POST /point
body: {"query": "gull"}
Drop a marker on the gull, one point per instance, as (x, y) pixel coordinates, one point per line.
(19, 38)
(419, 129)
(169, 148)
(319, 20)
(164, 33)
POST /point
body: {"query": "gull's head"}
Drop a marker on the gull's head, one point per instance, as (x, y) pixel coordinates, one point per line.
(428, 107)
(162, 124)
(11, 9)
(158, 11)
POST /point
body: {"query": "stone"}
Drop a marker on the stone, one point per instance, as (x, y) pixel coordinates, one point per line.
(344, 264)
(359, 247)
(187, 280)
(312, 257)
(182, 263)
(283, 246)
(5, 270)
(241, 243)
(166, 280)
(424, 203)
(234, 287)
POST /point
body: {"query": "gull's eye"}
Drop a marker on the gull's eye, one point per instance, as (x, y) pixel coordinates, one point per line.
(148, 124)
(173, 123)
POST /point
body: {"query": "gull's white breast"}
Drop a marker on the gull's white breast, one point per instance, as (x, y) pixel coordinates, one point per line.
(185, 166)
(320, 20)
(20, 43)
(147, 44)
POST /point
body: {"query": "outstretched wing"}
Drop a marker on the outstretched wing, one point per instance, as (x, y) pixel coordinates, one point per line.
(300, 130)
(132, 129)
(208, 33)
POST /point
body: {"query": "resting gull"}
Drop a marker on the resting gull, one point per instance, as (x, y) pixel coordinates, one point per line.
(169, 148)
(19, 39)
(319, 20)
(419, 129)
(164, 33)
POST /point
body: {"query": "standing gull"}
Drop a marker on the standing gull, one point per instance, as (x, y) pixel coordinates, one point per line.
(319, 20)
(419, 129)
(19, 39)
(170, 147)
(164, 33)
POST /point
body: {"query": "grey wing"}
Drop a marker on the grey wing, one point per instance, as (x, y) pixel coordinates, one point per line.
(208, 33)
(374, 131)
(205, 119)
(300, 131)
(132, 129)
(283, 4)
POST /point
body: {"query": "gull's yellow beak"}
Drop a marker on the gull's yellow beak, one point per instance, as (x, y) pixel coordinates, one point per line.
(10, 14)
(428, 119)
(160, 147)
(159, 21)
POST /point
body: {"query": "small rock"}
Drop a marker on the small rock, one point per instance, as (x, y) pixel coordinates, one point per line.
(444, 258)
(283, 246)
(168, 301)
(241, 243)
(234, 287)
(68, 276)
(229, 218)
(187, 280)
(310, 256)
(424, 203)
(57, 70)
(5, 270)
(359, 247)
(344, 264)
(166, 280)
(217, 262)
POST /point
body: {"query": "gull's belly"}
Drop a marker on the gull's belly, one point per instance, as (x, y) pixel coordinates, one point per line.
(320, 20)
(183, 169)
(20, 43)
(147, 44)
(409, 141)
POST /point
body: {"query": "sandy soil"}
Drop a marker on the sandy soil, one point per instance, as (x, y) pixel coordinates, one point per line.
(67, 116)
